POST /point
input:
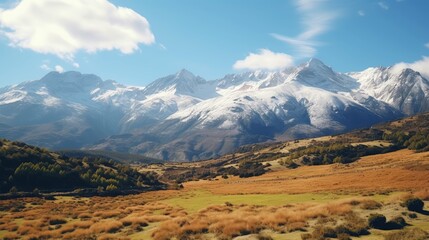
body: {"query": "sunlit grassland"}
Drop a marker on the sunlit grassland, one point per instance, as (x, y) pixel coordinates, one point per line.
(194, 201)
(283, 204)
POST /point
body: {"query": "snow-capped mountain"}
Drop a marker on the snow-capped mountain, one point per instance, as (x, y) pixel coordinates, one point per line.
(185, 117)
(166, 96)
(404, 89)
(66, 110)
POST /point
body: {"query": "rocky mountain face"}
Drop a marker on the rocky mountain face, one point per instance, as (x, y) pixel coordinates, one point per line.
(184, 117)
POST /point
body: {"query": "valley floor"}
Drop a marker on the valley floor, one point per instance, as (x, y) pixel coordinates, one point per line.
(303, 203)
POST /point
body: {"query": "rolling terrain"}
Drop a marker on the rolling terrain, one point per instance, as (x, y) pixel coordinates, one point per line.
(269, 199)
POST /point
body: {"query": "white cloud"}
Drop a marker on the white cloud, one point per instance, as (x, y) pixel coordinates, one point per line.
(265, 59)
(421, 66)
(316, 19)
(45, 67)
(383, 5)
(76, 65)
(59, 69)
(361, 13)
(63, 27)
(427, 45)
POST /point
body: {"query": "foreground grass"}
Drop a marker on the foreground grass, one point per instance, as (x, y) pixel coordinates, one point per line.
(194, 201)
(198, 214)
(283, 204)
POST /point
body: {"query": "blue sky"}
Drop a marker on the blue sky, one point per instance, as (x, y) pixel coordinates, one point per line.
(135, 42)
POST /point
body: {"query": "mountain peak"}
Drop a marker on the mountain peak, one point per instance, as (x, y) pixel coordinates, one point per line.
(315, 63)
(316, 74)
(70, 76)
(184, 73)
(183, 81)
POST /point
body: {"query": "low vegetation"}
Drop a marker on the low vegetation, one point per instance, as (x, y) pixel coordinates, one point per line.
(150, 216)
(414, 204)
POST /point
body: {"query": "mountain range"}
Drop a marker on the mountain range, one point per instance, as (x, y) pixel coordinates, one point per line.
(185, 117)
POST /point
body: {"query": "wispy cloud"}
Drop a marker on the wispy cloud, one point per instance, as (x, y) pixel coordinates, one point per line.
(421, 66)
(316, 19)
(63, 27)
(427, 45)
(383, 5)
(162, 46)
(361, 13)
(304, 48)
(265, 59)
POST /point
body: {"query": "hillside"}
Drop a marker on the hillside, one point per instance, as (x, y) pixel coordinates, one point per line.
(28, 168)
(253, 160)
(116, 156)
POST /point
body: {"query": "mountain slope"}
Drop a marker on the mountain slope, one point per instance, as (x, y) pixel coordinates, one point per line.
(184, 117)
(310, 100)
(404, 89)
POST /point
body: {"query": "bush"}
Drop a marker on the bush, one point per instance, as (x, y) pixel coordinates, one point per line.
(111, 187)
(397, 222)
(377, 221)
(13, 190)
(57, 221)
(414, 204)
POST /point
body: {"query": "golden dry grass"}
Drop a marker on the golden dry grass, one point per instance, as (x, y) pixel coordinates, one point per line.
(155, 214)
(391, 171)
(227, 221)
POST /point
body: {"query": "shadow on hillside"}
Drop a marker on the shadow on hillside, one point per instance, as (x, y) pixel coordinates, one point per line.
(424, 212)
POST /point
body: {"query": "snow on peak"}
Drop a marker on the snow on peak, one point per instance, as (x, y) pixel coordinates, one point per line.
(183, 82)
(184, 74)
(403, 88)
(315, 73)
(315, 63)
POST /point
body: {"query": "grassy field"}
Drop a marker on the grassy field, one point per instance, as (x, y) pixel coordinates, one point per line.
(302, 203)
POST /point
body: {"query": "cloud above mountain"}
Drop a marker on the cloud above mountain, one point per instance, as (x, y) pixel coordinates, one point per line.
(264, 59)
(316, 19)
(62, 27)
(421, 66)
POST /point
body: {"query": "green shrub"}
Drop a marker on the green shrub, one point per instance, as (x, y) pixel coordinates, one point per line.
(111, 187)
(377, 221)
(414, 204)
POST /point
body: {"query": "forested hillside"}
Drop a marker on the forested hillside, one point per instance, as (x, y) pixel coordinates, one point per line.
(27, 168)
